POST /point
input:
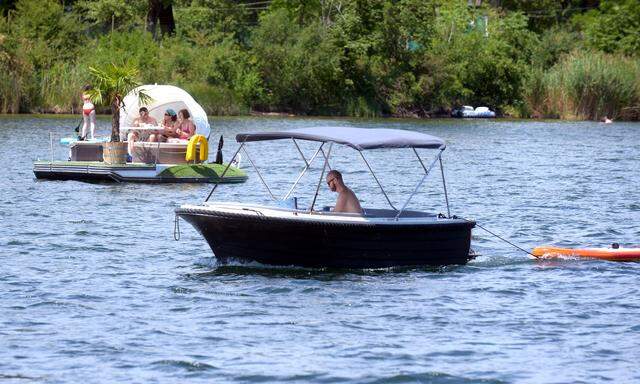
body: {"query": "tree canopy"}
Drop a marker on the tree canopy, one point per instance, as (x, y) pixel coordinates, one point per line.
(332, 57)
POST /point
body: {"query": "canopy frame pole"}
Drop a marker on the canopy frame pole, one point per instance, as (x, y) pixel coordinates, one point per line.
(308, 165)
(259, 174)
(377, 181)
(325, 156)
(300, 151)
(326, 161)
(444, 185)
(224, 172)
(304, 158)
(419, 159)
(415, 190)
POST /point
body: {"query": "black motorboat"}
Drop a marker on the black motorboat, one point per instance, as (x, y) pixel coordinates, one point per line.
(305, 237)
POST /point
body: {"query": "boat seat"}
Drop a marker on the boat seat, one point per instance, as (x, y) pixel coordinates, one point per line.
(162, 153)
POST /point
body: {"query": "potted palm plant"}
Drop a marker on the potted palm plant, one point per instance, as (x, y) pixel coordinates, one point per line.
(110, 85)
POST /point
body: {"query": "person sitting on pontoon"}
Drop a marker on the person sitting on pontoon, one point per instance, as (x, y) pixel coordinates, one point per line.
(133, 135)
(347, 201)
(168, 130)
(184, 128)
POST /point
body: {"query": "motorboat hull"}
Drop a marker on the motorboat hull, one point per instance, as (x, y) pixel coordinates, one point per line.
(288, 241)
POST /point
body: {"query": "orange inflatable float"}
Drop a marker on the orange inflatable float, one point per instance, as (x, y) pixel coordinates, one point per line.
(615, 253)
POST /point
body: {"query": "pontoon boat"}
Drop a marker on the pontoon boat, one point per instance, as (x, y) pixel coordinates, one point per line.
(152, 162)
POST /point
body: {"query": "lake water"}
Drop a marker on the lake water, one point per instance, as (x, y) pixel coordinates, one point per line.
(95, 289)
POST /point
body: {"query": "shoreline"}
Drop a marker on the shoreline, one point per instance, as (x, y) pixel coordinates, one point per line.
(327, 117)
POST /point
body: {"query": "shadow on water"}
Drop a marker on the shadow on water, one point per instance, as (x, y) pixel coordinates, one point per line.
(209, 268)
(234, 268)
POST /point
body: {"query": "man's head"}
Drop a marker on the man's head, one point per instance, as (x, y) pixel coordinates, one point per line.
(334, 179)
(144, 112)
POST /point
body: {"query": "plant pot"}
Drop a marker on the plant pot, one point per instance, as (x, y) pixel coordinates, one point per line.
(114, 152)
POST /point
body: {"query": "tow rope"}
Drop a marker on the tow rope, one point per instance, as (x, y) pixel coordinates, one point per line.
(498, 236)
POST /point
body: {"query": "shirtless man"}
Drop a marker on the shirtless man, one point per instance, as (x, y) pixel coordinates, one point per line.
(133, 135)
(347, 201)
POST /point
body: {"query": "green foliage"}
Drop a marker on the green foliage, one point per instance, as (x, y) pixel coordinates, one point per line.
(60, 87)
(614, 27)
(135, 49)
(552, 45)
(17, 75)
(46, 31)
(355, 57)
(207, 22)
(299, 65)
(112, 15)
(110, 84)
(588, 85)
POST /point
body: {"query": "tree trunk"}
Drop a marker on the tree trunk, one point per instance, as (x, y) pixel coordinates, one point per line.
(152, 17)
(160, 12)
(115, 120)
(167, 22)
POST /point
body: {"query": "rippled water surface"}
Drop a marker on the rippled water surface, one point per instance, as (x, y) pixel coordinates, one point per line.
(94, 288)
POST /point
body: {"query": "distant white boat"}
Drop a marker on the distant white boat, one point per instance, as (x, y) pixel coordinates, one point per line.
(468, 111)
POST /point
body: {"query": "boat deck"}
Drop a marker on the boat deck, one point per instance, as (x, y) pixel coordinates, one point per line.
(136, 172)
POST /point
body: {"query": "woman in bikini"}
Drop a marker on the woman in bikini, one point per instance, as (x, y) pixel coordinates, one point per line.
(88, 114)
(185, 128)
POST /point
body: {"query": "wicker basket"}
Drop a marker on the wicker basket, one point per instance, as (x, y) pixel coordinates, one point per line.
(114, 152)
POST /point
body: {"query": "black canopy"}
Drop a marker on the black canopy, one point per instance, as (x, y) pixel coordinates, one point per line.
(357, 138)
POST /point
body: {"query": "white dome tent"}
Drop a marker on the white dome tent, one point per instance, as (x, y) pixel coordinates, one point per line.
(164, 97)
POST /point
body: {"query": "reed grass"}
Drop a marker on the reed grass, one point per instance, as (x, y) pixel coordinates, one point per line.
(60, 88)
(16, 77)
(587, 86)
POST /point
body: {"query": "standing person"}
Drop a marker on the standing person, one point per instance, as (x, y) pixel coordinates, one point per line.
(347, 201)
(185, 128)
(88, 114)
(133, 135)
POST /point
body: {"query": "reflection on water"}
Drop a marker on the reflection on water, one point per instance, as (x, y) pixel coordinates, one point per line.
(94, 286)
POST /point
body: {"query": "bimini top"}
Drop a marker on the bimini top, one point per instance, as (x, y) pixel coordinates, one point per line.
(357, 138)
(164, 97)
